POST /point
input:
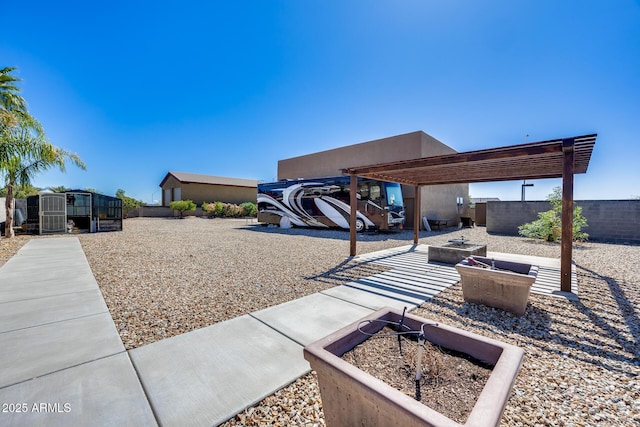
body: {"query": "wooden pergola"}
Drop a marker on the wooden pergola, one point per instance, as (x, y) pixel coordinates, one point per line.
(557, 158)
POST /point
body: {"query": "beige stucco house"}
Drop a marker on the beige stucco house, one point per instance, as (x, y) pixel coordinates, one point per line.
(448, 202)
(207, 188)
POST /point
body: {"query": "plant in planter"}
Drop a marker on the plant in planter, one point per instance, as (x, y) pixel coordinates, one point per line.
(496, 283)
(351, 396)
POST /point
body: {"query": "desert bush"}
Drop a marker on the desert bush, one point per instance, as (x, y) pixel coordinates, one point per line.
(219, 208)
(250, 209)
(548, 226)
(213, 209)
(206, 207)
(229, 210)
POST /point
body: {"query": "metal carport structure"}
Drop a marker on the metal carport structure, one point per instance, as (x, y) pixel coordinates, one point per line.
(556, 158)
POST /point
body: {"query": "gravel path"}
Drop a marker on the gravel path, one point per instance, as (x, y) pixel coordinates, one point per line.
(163, 277)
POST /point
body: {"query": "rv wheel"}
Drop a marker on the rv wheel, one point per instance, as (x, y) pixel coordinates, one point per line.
(359, 225)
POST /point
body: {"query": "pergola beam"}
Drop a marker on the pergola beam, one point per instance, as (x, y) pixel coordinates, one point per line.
(537, 160)
(512, 152)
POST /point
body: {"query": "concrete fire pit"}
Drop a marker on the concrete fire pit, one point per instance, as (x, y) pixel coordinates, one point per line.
(352, 397)
(455, 251)
(506, 287)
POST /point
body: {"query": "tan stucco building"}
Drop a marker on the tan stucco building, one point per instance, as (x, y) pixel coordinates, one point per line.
(437, 201)
(207, 188)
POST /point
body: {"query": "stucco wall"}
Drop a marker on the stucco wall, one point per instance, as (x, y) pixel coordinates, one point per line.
(439, 202)
(200, 193)
(331, 162)
(161, 212)
(608, 220)
(170, 184)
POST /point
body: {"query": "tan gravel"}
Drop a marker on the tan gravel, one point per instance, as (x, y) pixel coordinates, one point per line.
(582, 359)
(162, 277)
(9, 247)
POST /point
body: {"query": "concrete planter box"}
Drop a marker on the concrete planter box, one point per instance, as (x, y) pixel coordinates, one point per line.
(506, 288)
(351, 397)
(453, 253)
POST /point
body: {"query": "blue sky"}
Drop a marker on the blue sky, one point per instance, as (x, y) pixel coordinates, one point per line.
(228, 88)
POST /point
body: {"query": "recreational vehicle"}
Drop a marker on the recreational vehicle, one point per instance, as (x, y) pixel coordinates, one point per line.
(324, 203)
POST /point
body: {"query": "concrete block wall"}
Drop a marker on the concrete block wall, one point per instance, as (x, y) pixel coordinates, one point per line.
(161, 212)
(506, 217)
(608, 220)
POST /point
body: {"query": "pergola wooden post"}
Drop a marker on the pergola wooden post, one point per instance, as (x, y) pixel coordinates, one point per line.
(416, 215)
(353, 201)
(566, 251)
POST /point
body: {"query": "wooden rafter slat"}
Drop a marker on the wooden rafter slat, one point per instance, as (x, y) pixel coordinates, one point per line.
(535, 160)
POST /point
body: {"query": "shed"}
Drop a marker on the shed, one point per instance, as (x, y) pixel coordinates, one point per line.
(75, 211)
(207, 188)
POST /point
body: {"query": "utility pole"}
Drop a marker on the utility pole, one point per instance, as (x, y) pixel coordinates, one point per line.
(524, 184)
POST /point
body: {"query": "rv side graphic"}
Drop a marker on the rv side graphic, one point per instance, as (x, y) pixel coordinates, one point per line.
(324, 203)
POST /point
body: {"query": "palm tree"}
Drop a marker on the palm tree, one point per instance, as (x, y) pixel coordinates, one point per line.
(25, 151)
(11, 102)
(12, 108)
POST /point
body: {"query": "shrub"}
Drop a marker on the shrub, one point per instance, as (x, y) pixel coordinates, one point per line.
(219, 206)
(250, 209)
(128, 203)
(548, 226)
(230, 210)
(209, 208)
(182, 206)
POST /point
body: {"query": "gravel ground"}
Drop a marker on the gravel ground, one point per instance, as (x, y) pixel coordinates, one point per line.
(163, 277)
(9, 247)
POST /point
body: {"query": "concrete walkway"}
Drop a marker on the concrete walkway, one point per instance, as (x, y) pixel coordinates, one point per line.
(62, 361)
(60, 351)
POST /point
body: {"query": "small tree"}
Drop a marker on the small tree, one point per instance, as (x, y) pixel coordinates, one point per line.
(548, 226)
(182, 206)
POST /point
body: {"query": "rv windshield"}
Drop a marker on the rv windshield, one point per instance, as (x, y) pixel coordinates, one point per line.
(394, 194)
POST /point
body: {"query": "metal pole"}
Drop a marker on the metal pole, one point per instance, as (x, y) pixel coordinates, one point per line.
(524, 184)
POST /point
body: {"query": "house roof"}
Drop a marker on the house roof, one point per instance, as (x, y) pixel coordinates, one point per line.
(535, 160)
(193, 178)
